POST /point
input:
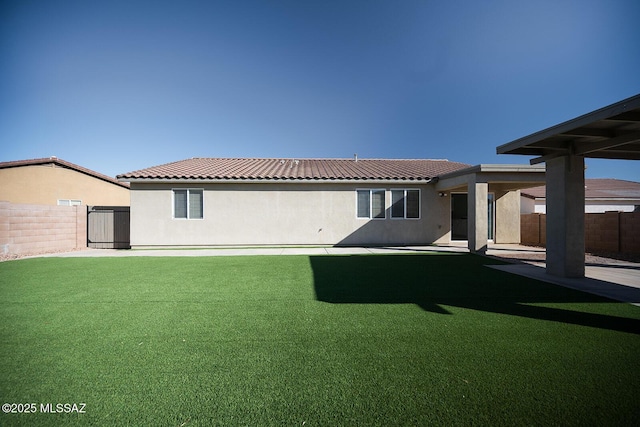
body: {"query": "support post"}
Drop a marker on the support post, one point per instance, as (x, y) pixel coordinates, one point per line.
(477, 215)
(565, 216)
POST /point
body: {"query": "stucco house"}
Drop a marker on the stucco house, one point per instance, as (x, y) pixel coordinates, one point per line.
(53, 181)
(601, 195)
(218, 202)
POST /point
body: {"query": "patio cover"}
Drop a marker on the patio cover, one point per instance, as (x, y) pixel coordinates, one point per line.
(612, 132)
(504, 181)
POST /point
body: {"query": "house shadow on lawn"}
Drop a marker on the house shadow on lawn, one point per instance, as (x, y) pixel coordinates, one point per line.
(433, 281)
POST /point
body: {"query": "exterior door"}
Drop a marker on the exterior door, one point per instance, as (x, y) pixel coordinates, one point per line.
(459, 216)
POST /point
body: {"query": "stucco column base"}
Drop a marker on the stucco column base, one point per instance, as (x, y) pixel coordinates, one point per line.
(565, 216)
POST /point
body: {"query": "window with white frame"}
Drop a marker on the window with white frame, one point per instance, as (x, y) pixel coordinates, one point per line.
(188, 203)
(69, 202)
(405, 204)
(370, 204)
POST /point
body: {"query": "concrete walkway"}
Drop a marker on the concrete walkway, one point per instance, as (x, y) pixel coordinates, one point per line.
(609, 278)
(253, 251)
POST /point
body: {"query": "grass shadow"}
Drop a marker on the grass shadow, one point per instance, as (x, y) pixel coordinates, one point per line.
(433, 281)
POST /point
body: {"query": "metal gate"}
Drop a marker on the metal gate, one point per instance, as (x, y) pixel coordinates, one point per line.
(108, 227)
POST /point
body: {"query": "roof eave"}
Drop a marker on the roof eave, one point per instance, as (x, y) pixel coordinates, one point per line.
(275, 180)
(594, 116)
(66, 165)
(493, 168)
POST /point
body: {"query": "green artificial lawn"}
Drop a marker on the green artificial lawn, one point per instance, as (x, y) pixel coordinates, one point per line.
(425, 339)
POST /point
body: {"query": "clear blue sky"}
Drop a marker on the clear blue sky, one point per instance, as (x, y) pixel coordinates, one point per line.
(117, 86)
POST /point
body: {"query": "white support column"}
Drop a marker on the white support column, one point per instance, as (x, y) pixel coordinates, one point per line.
(565, 216)
(477, 215)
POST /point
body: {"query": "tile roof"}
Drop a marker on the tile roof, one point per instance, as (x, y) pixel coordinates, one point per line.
(62, 163)
(598, 189)
(296, 169)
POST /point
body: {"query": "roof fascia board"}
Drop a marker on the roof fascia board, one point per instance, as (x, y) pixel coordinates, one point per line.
(601, 114)
(520, 180)
(492, 173)
(482, 168)
(502, 178)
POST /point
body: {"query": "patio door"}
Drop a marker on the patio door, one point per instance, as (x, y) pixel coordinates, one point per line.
(459, 216)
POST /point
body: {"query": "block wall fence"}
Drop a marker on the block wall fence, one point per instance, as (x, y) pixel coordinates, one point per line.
(32, 229)
(615, 232)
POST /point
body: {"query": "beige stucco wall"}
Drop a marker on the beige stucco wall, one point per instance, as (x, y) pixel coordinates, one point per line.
(280, 214)
(46, 184)
(507, 228)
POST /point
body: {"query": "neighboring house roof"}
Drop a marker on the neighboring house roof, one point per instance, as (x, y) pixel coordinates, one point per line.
(597, 189)
(224, 169)
(62, 163)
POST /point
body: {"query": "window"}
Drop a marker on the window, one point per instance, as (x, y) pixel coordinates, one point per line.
(370, 204)
(68, 202)
(187, 204)
(405, 204)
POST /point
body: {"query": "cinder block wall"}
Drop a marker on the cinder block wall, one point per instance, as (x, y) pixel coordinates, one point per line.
(630, 232)
(604, 232)
(533, 230)
(26, 229)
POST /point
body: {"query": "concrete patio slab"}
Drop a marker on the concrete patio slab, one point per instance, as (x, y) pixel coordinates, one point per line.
(623, 285)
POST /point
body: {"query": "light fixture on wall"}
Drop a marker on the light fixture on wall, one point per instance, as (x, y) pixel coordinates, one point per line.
(441, 194)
